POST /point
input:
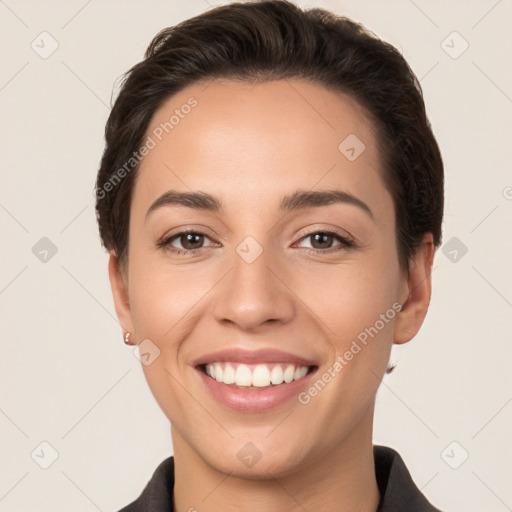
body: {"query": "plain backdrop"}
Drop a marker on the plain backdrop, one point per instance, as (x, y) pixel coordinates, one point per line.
(73, 396)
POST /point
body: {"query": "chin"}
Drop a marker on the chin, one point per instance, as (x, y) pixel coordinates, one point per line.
(255, 458)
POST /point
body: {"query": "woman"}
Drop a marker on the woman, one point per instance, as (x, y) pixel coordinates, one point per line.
(271, 195)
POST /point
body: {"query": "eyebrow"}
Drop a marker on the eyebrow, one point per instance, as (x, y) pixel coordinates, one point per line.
(298, 200)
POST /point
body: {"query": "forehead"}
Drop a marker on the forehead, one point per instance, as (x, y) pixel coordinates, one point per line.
(236, 139)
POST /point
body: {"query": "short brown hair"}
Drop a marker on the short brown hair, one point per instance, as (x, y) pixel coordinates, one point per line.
(271, 40)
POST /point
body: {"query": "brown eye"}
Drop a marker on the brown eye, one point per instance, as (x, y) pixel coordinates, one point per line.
(324, 241)
(185, 242)
(190, 241)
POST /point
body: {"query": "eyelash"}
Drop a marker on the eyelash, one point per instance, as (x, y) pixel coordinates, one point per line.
(346, 243)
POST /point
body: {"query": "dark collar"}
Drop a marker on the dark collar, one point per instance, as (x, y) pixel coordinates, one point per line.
(398, 491)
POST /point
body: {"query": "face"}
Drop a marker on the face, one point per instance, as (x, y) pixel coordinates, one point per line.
(290, 266)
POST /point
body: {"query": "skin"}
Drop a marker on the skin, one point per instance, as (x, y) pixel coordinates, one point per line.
(250, 145)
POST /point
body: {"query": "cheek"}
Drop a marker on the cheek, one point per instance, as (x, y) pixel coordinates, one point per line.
(357, 306)
(351, 296)
(163, 299)
(357, 317)
(164, 308)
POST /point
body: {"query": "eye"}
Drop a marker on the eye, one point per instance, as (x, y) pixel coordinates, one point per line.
(324, 241)
(190, 241)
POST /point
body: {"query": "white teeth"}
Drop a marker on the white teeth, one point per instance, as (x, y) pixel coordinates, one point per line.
(218, 373)
(260, 376)
(276, 375)
(229, 375)
(243, 376)
(289, 373)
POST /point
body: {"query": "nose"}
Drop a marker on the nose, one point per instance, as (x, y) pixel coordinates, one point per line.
(254, 294)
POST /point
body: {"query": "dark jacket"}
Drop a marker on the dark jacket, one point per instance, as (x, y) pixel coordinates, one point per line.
(398, 491)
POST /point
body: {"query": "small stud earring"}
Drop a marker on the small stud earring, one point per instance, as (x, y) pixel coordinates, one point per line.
(127, 338)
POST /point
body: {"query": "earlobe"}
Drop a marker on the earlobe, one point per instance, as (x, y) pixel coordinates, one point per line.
(418, 292)
(120, 295)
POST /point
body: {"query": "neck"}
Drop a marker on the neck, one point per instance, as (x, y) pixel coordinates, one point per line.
(342, 480)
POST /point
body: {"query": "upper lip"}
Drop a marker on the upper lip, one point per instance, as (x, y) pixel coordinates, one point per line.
(238, 355)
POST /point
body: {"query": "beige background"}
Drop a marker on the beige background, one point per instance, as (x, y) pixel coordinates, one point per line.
(66, 377)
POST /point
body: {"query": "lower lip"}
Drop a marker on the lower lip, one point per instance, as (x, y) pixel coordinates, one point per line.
(254, 400)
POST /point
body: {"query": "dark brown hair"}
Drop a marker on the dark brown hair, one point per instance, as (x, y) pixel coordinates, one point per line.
(271, 40)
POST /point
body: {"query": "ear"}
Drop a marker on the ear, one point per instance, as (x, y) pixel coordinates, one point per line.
(119, 285)
(415, 293)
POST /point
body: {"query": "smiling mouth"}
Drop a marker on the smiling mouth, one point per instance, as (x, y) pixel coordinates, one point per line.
(255, 376)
